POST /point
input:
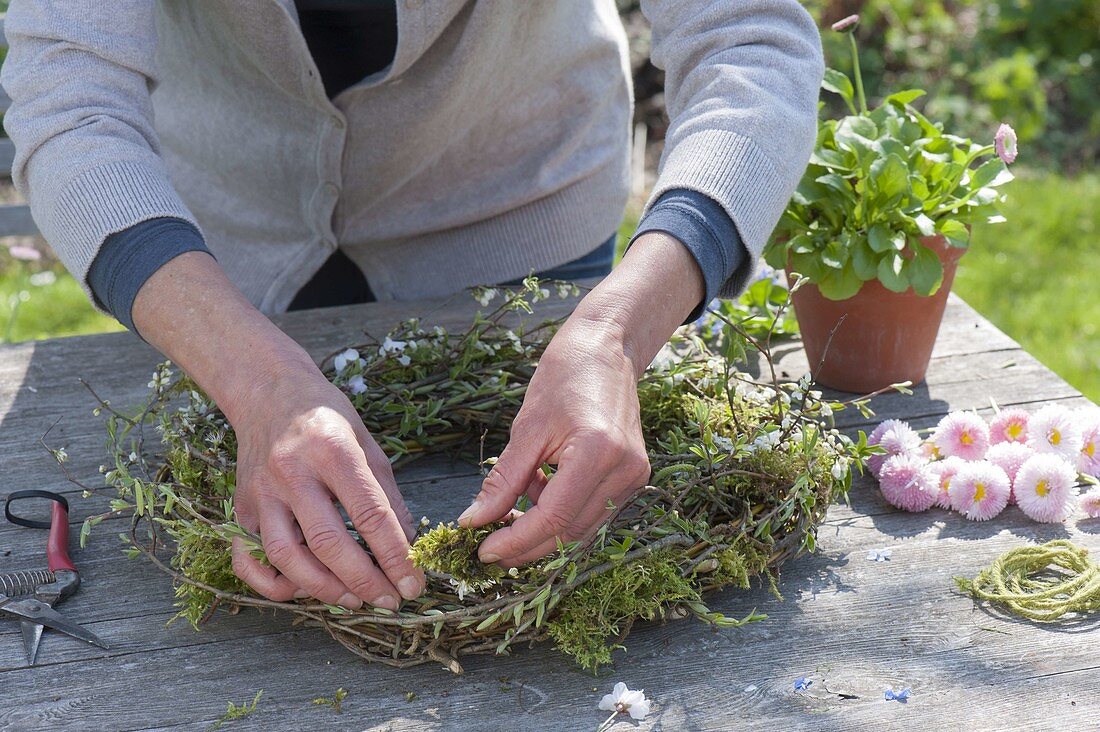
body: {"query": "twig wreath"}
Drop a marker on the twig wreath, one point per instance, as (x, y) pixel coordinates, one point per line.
(743, 472)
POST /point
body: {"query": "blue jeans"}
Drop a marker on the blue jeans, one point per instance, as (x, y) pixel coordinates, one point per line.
(597, 263)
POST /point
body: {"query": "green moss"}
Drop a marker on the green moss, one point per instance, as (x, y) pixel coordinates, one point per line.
(604, 606)
(202, 555)
(452, 550)
(737, 564)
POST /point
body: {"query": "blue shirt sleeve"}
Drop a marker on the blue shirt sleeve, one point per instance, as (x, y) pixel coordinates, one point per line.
(704, 227)
(130, 257)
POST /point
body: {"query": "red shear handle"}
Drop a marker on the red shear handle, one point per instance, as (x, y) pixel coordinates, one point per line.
(57, 546)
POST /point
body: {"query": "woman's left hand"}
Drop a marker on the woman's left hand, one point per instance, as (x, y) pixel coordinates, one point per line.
(580, 413)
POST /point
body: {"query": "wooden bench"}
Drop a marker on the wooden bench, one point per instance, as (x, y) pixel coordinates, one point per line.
(15, 219)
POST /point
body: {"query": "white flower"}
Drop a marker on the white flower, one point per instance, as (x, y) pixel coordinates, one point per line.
(840, 468)
(461, 586)
(486, 296)
(626, 701)
(341, 361)
(356, 385)
(723, 443)
(389, 345)
(879, 555)
(404, 360)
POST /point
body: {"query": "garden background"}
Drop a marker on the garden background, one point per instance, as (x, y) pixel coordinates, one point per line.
(1032, 63)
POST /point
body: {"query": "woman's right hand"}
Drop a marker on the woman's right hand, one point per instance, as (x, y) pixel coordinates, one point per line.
(301, 446)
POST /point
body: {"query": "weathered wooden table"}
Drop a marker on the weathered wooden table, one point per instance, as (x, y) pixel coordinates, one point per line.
(852, 625)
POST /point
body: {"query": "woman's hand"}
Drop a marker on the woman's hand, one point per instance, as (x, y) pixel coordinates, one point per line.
(581, 408)
(301, 445)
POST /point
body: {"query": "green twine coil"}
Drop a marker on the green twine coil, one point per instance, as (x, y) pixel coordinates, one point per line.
(1040, 583)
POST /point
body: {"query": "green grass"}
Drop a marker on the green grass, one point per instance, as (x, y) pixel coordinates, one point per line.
(1035, 276)
(48, 310)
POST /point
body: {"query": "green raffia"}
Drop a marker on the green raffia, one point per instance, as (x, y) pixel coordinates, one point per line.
(1041, 583)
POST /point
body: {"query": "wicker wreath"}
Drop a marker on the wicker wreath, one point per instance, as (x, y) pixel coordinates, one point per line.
(743, 472)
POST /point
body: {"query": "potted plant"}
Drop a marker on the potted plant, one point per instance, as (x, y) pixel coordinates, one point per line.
(877, 227)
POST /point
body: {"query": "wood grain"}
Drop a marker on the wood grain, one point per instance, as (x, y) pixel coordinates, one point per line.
(855, 626)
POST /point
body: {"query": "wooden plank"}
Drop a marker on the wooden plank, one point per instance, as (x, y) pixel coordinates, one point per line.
(864, 624)
(16, 220)
(837, 602)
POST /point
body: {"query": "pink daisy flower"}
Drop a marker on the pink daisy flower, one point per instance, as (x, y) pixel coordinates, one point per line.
(1090, 504)
(894, 436)
(1010, 425)
(907, 483)
(1089, 460)
(962, 434)
(930, 451)
(944, 471)
(1045, 488)
(1009, 457)
(1005, 143)
(1053, 429)
(979, 490)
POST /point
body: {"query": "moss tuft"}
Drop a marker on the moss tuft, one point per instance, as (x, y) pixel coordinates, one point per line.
(452, 550)
(203, 555)
(605, 605)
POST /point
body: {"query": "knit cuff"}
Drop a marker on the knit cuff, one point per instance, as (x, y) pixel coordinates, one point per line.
(127, 259)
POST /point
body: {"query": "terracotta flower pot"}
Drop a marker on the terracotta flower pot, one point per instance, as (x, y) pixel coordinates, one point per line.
(885, 338)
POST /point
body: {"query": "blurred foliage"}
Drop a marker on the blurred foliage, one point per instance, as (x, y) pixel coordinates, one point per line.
(1032, 63)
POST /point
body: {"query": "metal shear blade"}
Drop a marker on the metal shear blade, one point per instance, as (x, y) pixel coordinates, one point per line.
(39, 613)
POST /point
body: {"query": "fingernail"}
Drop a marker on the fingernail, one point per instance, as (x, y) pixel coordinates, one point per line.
(490, 558)
(468, 514)
(388, 602)
(410, 588)
(350, 601)
(301, 594)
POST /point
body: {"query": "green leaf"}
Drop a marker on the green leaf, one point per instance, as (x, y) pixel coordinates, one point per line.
(834, 255)
(902, 98)
(892, 274)
(840, 284)
(955, 232)
(838, 83)
(925, 270)
(890, 176)
(987, 173)
(925, 225)
(864, 261)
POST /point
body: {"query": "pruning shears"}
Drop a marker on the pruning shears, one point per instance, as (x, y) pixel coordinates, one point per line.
(29, 595)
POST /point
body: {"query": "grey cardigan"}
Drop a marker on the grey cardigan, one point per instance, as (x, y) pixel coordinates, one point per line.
(496, 142)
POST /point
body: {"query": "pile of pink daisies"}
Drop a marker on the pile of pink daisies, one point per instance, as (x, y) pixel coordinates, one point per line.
(978, 468)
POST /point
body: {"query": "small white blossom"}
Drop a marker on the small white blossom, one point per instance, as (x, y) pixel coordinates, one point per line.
(404, 360)
(879, 555)
(840, 468)
(626, 701)
(356, 384)
(723, 443)
(341, 361)
(486, 296)
(389, 345)
(461, 586)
